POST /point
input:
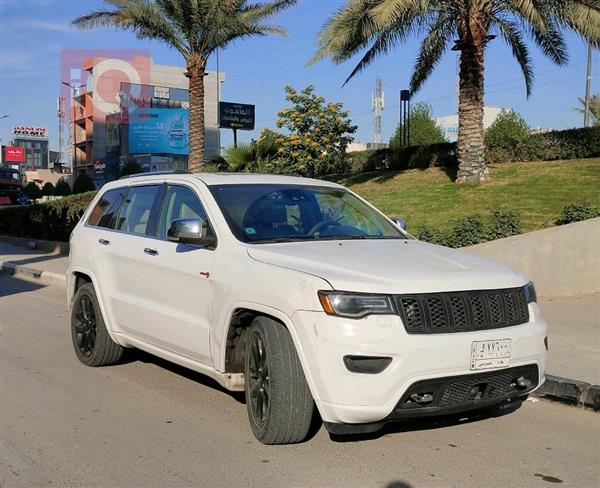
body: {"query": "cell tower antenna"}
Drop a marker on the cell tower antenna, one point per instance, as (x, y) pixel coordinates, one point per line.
(378, 102)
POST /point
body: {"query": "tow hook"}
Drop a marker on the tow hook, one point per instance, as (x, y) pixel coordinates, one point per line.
(522, 383)
(422, 397)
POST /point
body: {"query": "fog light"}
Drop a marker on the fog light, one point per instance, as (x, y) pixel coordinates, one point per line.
(366, 364)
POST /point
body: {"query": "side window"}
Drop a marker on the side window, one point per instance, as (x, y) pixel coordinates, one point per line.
(135, 213)
(180, 202)
(107, 208)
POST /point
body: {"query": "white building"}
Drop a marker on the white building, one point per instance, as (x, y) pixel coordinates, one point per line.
(449, 123)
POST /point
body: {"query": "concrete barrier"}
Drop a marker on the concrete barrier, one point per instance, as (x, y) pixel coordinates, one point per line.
(561, 261)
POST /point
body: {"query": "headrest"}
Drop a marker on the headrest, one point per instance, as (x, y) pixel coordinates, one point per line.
(273, 214)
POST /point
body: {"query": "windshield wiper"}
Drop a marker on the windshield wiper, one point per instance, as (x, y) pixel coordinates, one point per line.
(339, 238)
(274, 240)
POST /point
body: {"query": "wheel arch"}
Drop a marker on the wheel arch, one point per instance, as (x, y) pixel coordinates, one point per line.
(239, 319)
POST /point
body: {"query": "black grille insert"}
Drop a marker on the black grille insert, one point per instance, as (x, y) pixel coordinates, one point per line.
(431, 313)
(470, 389)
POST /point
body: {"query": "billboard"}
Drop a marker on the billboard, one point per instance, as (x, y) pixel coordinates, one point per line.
(236, 116)
(159, 131)
(14, 154)
(29, 131)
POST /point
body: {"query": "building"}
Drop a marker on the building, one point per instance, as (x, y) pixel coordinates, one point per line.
(107, 127)
(365, 146)
(35, 143)
(449, 123)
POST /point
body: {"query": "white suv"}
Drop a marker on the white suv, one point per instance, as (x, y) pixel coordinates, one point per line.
(302, 294)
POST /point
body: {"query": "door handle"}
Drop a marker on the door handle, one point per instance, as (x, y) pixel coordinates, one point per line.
(152, 252)
(104, 242)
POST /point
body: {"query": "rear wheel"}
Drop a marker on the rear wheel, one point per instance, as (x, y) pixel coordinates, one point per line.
(279, 402)
(93, 346)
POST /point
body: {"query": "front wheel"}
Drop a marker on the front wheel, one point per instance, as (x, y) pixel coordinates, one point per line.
(279, 402)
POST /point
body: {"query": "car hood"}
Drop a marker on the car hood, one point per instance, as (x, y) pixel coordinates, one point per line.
(389, 265)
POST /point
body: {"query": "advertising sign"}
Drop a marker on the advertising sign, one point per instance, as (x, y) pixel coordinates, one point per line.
(236, 116)
(159, 131)
(28, 131)
(14, 154)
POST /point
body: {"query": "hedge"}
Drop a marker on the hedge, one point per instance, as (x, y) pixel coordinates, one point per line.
(51, 221)
(549, 146)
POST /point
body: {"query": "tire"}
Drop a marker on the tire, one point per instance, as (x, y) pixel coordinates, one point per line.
(286, 414)
(91, 342)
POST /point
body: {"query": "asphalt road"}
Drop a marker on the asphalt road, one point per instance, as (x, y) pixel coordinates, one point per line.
(147, 423)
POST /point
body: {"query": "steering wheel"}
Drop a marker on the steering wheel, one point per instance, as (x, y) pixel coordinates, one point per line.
(321, 225)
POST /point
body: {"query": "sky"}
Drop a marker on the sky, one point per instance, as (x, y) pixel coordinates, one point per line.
(34, 32)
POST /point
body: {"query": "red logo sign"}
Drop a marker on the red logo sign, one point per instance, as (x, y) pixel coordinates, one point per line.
(14, 154)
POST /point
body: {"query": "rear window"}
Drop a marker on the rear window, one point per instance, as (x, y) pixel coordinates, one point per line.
(106, 210)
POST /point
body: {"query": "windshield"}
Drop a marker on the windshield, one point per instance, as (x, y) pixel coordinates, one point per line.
(285, 213)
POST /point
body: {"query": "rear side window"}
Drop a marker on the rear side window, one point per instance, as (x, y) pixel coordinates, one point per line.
(136, 212)
(106, 210)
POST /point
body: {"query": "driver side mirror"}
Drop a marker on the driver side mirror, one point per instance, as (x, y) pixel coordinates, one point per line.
(400, 222)
(191, 231)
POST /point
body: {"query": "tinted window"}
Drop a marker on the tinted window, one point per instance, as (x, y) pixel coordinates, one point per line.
(135, 213)
(105, 211)
(180, 202)
(262, 213)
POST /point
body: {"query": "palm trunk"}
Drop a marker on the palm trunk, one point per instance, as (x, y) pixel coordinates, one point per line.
(196, 94)
(471, 148)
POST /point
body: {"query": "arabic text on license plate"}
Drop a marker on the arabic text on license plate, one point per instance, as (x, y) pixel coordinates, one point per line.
(490, 354)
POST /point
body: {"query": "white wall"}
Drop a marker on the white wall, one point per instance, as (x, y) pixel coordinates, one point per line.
(449, 123)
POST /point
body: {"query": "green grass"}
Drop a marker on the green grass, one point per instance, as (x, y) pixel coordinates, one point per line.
(538, 191)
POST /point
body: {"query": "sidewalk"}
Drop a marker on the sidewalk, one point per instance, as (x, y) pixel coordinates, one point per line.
(49, 268)
(574, 326)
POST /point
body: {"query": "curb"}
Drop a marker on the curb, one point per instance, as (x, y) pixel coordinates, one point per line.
(572, 392)
(50, 247)
(46, 277)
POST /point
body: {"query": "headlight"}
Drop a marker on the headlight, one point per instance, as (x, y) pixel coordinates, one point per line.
(355, 305)
(530, 295)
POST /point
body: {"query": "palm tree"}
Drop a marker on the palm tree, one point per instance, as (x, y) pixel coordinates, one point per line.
(466, 26)
(195, 28)
(594, 108)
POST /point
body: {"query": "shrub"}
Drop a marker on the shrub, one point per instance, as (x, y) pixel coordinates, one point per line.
(62, 188)
(365, 161)
(423, 128)
(426, 156)
(471, 230)
(83, 184)
(508, 129)
(48, 189)
(51, 220)
(549, 146)
(576, 212)
(131, 167)
(32, 191)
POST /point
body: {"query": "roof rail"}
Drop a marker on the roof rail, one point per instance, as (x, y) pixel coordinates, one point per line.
(153, 173)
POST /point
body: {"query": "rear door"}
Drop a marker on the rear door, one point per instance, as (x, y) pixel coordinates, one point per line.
(120, 259)
(177, 282)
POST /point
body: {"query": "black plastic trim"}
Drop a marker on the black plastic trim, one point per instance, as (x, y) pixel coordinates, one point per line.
(366, 364)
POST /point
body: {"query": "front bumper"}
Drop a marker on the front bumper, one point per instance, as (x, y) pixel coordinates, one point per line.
(344, 397)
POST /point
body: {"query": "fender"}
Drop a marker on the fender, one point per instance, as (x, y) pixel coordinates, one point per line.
(219, 354)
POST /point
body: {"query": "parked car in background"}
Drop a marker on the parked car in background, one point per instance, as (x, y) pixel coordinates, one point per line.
(303, 295)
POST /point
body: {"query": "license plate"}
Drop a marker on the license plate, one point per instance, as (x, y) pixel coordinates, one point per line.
(490, 354)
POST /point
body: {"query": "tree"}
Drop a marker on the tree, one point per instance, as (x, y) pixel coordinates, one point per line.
(131, 167)
(195, 28)
(467, 26)
(62, 188)
(319, 133)
(508, 128)
(423, 128)
(594, 108)
(48, 189)
(83, 183)
(32, 191)
(254, 156)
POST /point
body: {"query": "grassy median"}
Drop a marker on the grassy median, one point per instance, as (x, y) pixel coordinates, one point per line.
(538, 191)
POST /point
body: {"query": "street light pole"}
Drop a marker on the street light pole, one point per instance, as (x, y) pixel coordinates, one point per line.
(588, 87)
(1, 151)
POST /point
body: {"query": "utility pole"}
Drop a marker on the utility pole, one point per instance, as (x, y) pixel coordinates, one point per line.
(60, 107)
(378, 104)
(588, 87)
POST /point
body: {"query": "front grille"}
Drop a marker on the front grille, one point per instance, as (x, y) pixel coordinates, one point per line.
(437, 313)
(460, 390)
